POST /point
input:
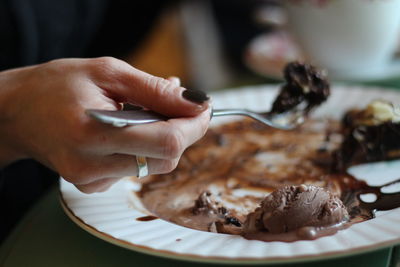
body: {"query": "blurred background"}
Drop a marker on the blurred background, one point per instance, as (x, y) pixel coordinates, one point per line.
(214, 44)
(204, 42)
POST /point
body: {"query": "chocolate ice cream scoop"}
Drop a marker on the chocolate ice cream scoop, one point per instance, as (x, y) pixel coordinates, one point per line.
(294, 212)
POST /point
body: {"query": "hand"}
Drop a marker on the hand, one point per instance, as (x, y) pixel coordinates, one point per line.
(42, 115)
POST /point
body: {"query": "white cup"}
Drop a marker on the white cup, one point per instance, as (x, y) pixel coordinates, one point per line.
(349, 38)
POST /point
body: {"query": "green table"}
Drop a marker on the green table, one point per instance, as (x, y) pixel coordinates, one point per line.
(47, 237)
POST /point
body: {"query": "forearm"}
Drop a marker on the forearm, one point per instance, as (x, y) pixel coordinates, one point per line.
(9, 151)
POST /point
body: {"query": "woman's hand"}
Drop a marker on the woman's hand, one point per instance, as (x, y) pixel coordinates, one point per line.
(42, 116)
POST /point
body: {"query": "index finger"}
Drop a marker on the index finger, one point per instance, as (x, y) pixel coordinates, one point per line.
(125, 83)
(162, 140)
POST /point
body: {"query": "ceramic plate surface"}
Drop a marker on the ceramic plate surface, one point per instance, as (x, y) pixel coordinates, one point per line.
(268, 53)
(112, 215)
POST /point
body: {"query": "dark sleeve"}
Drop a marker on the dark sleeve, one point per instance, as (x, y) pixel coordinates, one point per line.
(36, 31)
(8, 40)
(21, 184)
(125, 24)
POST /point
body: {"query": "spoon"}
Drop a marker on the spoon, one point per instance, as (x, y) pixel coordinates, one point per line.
(121, 118)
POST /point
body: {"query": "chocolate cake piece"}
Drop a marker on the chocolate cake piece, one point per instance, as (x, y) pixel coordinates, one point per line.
(371, 134)
(222, 220)
(206, 203)
(306, 87)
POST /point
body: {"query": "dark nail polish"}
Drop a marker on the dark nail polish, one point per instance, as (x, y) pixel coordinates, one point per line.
(195, 96)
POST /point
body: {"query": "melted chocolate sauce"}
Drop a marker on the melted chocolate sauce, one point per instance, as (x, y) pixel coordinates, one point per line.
(205, 192)
(147, 218)
(384, 201)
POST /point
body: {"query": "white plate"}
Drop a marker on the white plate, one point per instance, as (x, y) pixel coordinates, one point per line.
(268, 53)
(112, 215)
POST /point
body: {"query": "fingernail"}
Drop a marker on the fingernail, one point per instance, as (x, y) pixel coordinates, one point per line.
(195, 96)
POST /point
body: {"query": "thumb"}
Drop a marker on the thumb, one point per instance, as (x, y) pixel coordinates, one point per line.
(164, 96)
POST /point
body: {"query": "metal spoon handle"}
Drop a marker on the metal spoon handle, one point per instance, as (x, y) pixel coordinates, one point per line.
(121, 118)
(225, 112)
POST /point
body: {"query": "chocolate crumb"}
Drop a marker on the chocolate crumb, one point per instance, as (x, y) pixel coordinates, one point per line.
(233, 220)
